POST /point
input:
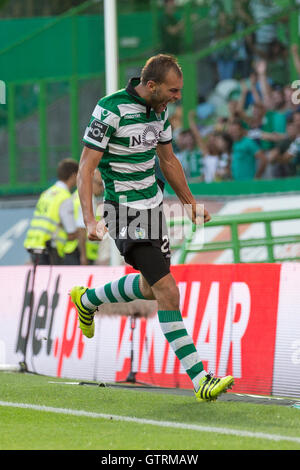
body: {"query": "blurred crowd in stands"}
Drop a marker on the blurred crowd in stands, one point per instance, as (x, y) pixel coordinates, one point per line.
(249, 126)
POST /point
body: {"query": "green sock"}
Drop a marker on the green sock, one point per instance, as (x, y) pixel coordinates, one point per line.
(125, 289)
(182, 344)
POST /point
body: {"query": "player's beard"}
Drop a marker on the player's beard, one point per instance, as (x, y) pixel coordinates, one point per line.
(158, 103)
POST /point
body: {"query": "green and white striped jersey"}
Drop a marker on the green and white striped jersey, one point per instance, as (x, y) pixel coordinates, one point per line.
(127, 130)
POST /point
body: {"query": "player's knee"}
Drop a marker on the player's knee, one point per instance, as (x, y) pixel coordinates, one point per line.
(167, 293)
(146, 289)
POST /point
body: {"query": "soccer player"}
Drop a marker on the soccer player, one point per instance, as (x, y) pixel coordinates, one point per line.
(127, 128)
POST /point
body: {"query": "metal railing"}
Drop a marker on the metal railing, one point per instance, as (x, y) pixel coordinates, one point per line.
(236, 243)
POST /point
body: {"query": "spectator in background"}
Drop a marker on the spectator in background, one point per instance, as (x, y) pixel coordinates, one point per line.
(257, 119)
(248, 161)
(225, 57)
(266, 34)
(223, 23)
(296, 57)
(279, 160)
(278, 63)
(292, 103)
(292, 91)
(176, 119)
(205, 112)
(223, 171)
(266, 127)
(171, 29)
(53, 220)
(296, 120)
(291, 158)
(234, 110)
(255, 126)
(189, 155)
(273, 99)
(243, 55)
(215, 150)
(227, 18)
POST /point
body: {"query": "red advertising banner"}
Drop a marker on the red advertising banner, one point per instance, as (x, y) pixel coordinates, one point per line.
(231, 313)
(243, 319)
(39, 324)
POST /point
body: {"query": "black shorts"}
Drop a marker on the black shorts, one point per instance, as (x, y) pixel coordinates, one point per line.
(142, 238)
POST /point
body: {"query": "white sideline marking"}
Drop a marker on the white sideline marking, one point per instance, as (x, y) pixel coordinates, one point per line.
(63, 383)
(165, 424)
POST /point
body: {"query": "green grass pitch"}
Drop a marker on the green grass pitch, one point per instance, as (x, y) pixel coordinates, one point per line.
(64, 416)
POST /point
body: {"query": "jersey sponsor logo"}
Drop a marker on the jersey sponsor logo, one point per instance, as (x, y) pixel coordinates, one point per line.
(104, 114)
(133, 116)
(148, 138)
(97, 130)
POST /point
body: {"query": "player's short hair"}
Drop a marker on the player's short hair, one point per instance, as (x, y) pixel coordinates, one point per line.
(157, 67)
(66, 168)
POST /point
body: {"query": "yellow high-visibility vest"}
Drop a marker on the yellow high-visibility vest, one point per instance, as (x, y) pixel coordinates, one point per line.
(92, 250)
(46, 224)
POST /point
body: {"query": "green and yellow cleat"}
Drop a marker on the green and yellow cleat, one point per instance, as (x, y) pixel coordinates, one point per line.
(211, 387)
(85, 316)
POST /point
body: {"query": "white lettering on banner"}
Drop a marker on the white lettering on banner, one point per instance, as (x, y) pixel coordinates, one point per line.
(286, 379)
(216, 314)
(162, 357)
(54, 339)
(234, 331)
(154, 343)
(163, 354)
(209, 328)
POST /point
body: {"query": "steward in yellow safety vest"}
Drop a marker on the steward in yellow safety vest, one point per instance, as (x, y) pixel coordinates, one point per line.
(53, 220)
(82, 250)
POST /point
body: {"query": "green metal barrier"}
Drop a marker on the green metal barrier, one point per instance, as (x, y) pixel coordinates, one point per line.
(236, 244)
(32, 166)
